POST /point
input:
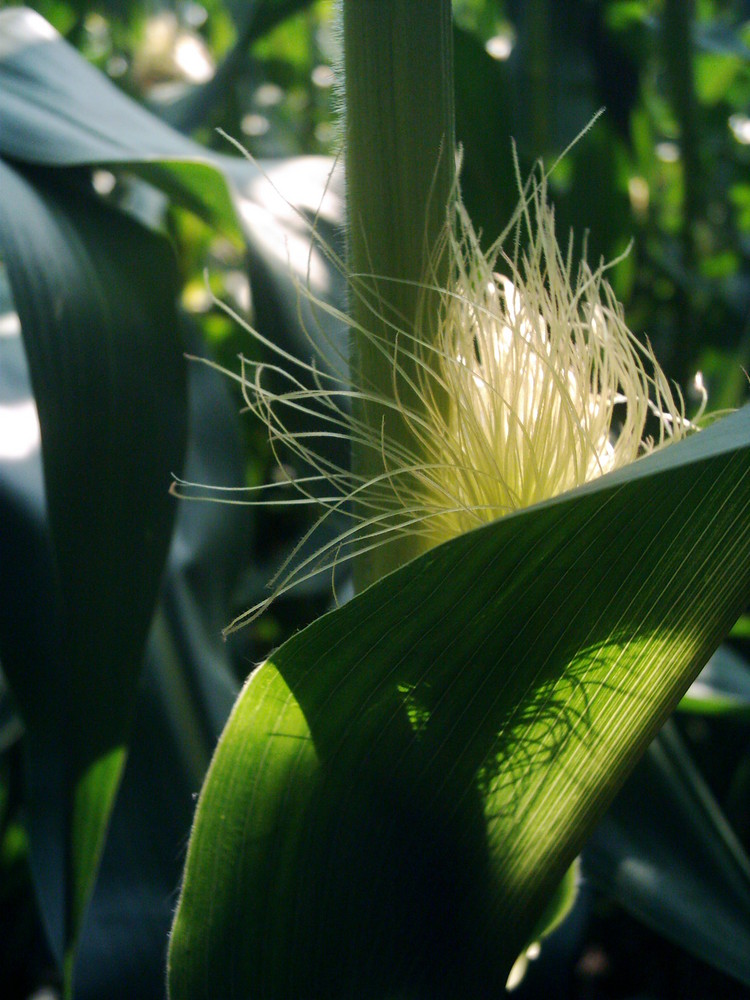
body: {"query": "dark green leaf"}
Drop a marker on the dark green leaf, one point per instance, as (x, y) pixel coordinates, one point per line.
(665, 852)
(184, 700)
(95, 294)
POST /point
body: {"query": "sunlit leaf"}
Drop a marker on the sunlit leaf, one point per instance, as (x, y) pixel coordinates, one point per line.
(401, 786)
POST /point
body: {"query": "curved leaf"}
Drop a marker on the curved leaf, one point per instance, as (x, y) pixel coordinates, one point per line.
(467, 720)
(57, 110)
(666, 853)
(95, 294)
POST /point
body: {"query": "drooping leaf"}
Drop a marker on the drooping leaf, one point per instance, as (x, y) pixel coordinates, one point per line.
(95, 294)
(667, 855)
(57, 110)
(399, 789)
(184, 699)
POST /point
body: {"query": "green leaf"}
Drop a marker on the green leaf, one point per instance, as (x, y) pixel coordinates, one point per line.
(400, 788)
(721, 688)
(57, 110)
(666, 853)
(185, 696)
(95, 294)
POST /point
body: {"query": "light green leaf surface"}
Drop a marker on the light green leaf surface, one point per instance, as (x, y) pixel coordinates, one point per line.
(400, 788)
(95, 294)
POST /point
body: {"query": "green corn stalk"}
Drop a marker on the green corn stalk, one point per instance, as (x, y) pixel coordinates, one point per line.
(400, 173)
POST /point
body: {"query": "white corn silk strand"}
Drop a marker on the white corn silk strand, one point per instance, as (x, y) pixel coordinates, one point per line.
(533, 385)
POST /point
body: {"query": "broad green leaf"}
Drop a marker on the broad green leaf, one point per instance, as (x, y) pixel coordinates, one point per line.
(95, 295)
(57, 110)
(185, 696)
(400, 788)
(666, 853)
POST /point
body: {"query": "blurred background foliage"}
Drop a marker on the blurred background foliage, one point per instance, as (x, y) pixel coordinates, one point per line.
(664, 175)
(664, 172)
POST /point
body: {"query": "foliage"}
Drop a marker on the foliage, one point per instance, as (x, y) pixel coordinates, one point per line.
(444, 779)
(89, 530)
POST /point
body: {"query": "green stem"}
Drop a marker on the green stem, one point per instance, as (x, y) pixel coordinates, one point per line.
(400, 167)
(677, 22)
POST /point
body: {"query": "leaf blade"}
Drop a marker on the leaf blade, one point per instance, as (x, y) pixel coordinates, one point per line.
(667, 855)
(458, 705)
(95, 296)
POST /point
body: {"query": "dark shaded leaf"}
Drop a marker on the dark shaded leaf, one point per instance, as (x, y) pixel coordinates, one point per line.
(184, 699)
(95, 295)
(667, 855)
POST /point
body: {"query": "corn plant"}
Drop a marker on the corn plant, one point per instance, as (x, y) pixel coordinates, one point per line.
(545, 546)
(401, 787)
